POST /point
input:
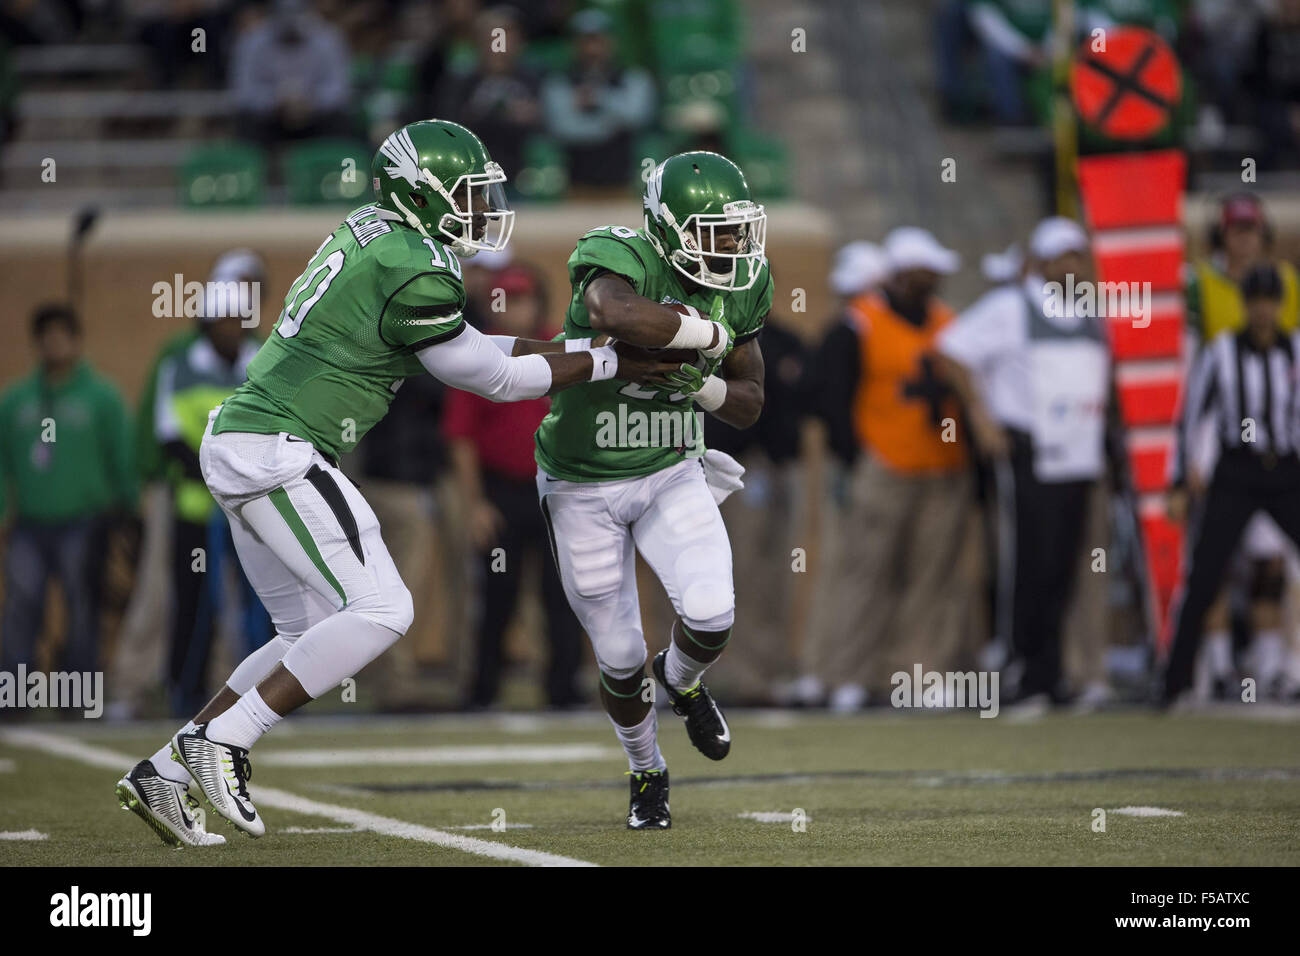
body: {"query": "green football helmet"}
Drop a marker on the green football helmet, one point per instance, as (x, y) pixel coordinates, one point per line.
(437, 177)
(702, 220)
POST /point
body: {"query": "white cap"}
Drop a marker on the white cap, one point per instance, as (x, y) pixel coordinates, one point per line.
(237, 264)
(858, 266)
(227, 293)
(1055, 236)
(909, 247)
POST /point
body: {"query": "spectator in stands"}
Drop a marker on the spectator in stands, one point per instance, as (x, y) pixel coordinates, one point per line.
(291, 76)
(167, 28)
(450, 54)
(1217, 46)
(498, 99)
(492, 452)
(905, 596)
(196, 371)
(1035, 380)
(1015, 36)
(597, 107)
(1273, 83)
(65, 468)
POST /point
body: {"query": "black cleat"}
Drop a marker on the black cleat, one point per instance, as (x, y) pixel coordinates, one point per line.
(705, 724)
(648, 808)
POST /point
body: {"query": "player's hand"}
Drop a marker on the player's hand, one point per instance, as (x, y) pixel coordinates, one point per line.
(642, 366)
(686, 378)
(724, 335)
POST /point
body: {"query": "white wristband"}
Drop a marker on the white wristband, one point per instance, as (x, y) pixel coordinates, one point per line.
(711, 394)
(577, 345)
(506, 343)
(693, 331)
(604, 363)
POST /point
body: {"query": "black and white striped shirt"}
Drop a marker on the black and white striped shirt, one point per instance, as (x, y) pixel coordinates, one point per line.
(1252, 396)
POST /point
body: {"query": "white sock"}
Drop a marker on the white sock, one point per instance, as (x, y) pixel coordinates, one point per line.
(1218, 648)
(641, 741)
(167, 767)
(244, 723)
(682, 670)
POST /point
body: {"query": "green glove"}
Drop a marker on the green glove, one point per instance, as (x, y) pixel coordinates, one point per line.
(687, 379)
(717, 313)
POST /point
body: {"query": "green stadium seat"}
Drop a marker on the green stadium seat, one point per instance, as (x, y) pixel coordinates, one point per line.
(765, 161)
(544, 176)
(324, 171)
(223, 174)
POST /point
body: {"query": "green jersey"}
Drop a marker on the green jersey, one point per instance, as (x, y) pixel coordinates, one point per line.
(374, 293)
(608, 430)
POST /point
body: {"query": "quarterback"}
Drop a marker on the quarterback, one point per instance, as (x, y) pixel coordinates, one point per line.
(695, 283)
(380, 300)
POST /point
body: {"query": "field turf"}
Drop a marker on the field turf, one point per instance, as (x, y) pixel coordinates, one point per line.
(882, 788)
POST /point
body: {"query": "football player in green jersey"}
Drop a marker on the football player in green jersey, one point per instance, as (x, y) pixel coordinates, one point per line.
(380, 299)
(621, 467)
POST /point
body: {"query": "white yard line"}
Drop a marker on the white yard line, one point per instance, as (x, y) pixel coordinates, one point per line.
(770, 816)
(1147, 812)
(106, 759)
(435, 756)
(23, 835)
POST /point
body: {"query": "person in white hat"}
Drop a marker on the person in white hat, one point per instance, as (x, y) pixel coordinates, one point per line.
(1035, 380)
(898, 592)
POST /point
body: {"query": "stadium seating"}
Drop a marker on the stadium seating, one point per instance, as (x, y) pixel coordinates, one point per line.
(327, 171)
(223, 174)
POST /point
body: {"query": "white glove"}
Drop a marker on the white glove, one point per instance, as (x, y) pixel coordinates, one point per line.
(722, 474)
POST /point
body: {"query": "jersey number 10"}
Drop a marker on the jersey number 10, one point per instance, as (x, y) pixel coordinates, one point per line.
(295, 312)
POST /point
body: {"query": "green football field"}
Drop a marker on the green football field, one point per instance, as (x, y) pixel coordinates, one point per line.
(797, 789)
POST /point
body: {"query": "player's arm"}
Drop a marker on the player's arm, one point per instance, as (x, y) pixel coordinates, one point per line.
(471, 361)
(738, 390)
(509, 345)
(615, 308)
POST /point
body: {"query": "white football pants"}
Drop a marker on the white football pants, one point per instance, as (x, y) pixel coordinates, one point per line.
(671, 518)
(311, 547)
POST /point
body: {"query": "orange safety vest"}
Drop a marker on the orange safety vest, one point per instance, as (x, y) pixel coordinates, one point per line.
(900, 405)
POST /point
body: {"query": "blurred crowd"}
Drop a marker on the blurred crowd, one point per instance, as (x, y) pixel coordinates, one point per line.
(571, 92)
(994, 60)
(929, 484)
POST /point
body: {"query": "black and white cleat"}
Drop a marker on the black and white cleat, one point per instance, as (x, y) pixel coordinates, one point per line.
(166, 806)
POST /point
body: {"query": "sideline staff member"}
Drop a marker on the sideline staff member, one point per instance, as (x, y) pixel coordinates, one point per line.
(1246, 383)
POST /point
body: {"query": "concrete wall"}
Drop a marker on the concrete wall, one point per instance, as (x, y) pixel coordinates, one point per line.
(129, 252)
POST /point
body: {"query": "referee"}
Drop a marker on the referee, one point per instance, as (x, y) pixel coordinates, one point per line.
(1248, 384)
